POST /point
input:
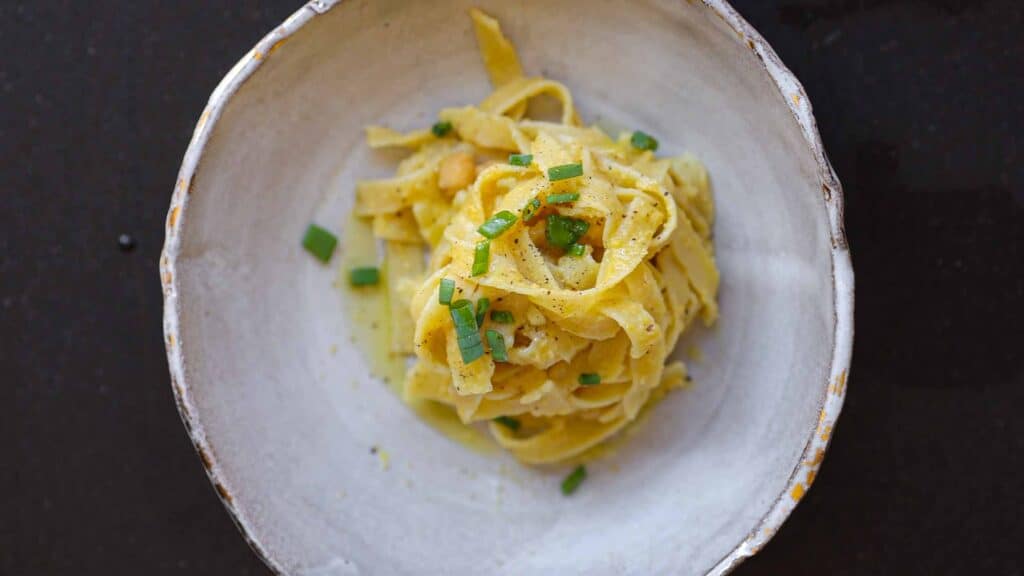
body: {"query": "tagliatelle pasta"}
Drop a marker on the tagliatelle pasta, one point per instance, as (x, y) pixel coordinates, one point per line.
(564, 264)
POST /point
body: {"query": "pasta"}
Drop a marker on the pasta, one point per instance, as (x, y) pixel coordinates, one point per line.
(564, 264)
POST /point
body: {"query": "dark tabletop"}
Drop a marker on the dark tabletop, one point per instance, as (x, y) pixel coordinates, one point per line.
(921, 108)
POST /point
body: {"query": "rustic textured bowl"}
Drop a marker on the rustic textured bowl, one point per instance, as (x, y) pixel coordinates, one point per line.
(284, 426)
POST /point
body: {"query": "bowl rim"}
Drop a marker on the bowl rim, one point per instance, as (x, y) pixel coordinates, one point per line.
(795, 97)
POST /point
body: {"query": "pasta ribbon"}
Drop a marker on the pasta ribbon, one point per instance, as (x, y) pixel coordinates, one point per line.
(572, 267)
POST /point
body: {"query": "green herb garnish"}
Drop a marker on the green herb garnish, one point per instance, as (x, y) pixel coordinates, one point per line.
(520, 159)
(563, 231)
(530, 210)
(643, 141)
(563, 198)
(497, 225)
(573, 480)
(446, 291)
(577, 250)
(365, 276)
(564, 172)
(471, 347)
(441, 129)
(319, 242)
(481, 257)
(589, 379)
(502, 317)
(497, 343)
(482, 306)
(508, 422)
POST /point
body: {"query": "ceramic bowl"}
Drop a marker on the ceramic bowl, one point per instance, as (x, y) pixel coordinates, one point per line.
(282, 408)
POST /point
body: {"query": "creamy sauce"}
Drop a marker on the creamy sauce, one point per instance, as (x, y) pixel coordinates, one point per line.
(368, 310)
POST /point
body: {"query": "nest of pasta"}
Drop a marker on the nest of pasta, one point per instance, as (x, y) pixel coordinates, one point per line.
(564, 264)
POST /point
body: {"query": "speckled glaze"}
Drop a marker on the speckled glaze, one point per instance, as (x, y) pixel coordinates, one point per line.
(283, 423)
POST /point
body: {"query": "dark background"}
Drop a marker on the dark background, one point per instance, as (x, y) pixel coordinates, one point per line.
(920, 104)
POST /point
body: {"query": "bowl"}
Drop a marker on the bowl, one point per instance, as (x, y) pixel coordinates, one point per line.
(321, 465)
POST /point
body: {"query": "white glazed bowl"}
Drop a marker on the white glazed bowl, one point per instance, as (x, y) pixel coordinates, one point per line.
(284, 427)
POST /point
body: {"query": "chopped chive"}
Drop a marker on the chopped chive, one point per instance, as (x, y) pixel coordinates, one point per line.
(589, 379)
(482, 306)
(481, 257)
(497, 343)
(530, 210)
(319, 242)
(564, 198)
(471, 350)
(508, 422)
(573, 480)
(564, 172)
(502, 317)
(643, 141)
(577, 250)
(497, 225)
(441, 129)
(460, 303)
(520, 159)
(446, 291)
(471, 347)
(563, 231)
(365, 276)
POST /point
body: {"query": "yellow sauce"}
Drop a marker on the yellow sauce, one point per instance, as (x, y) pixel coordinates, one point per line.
(695, 353)
(368, 310)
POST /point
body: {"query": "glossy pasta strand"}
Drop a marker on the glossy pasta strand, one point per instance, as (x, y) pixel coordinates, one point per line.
(599, 257)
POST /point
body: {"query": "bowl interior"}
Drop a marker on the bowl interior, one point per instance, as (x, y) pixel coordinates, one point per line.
(290, 423)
